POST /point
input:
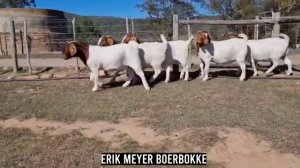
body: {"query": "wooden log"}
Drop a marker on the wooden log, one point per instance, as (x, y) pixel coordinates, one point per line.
(175, 27)
(226, 22)
(74, 38)
(27, 47)
(13, 46)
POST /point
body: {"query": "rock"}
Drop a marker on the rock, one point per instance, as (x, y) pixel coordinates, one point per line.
(46, 76)
(29, 77)
(102, 73)
(60, 75)
(10, 77)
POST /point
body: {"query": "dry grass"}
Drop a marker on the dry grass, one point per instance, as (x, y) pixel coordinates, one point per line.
(268, 108)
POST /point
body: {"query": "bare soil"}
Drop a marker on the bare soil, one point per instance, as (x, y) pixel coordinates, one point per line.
(238, 148)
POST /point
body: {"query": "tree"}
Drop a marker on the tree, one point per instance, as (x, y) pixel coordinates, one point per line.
(17, 3)
(160, 12)
(236, 9)
(164, 9)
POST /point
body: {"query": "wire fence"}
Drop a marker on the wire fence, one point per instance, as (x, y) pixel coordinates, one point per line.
(47, 36)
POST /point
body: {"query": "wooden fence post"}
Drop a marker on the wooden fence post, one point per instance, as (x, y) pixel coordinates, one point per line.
(74, 38)
(132, 26)
(1, 46)
(175, 27)
(256, 29)
(189, 35)
(276, 26)
(175, 67)
(127, 26)
(27, 47)
(22, 41)
(297, 33)
(13, 45)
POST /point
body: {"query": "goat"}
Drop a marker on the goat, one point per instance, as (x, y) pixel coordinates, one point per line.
(178, 53)
(273, 49)
(110, 57)
(152, 54)
(130, 37)
(165, 53)
(107, 41)
(229, 35)
(221, 52)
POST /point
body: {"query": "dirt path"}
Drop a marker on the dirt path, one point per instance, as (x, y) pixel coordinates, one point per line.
(239, 149)
(59, 62)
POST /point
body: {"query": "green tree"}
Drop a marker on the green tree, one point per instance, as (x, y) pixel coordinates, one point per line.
(86, 30)
(160, 12)
(17, 3)
(236, 9)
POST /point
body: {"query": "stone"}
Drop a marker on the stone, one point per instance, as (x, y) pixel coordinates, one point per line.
(60, 75)
(28, 77)
(46, 76)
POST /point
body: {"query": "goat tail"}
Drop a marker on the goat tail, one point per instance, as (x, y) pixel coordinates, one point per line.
(99, 41)
(163, 38)
(122, 42)
(284, 36)
(133, 44)
(243, 36)
(190, 39)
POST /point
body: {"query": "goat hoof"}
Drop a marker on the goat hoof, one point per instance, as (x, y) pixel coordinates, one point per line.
(242, 79)
(147, 88)
(255, 74)
(205, 79)
(289, 73)
(152, 80)
(166, 81)
(94, 89)
(269, 74)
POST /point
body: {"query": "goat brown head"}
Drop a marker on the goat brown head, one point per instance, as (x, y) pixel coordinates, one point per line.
(229, 35)
(202, 38)
(131, 37)
(76, 49)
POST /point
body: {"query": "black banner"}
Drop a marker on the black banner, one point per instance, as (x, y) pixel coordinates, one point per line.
(153, 159)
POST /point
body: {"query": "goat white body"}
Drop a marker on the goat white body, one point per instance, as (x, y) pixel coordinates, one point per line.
(226, 51)
(153, 54)
(115, 57)
(272, 49)
(178, 52)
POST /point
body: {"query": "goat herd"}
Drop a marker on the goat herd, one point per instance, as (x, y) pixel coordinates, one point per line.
(135, 56)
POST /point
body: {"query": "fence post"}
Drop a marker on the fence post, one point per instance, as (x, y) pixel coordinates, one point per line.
(175, 27)
(127, 26)
(132, 26)
(1, 46)
(26, 47)
(189, 35)
(13, 45)
(21, 41)
(6, 47)
(297, 33)
(276, 26)
(74, 38)
(256, 29)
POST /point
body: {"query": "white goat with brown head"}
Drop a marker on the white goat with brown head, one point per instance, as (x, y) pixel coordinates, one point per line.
(226, 51)
(110, 57)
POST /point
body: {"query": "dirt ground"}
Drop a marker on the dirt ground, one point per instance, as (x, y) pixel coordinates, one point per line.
(60, 123)
(64, 124)
(238, 148)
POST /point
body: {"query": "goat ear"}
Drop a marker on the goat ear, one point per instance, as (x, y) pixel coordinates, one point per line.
(72, 49)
